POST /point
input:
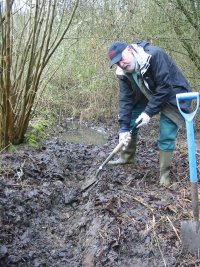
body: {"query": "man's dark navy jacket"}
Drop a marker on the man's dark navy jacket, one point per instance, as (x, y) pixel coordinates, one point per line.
(164, 80)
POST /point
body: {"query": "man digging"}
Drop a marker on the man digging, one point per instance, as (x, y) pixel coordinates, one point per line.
(148, 83)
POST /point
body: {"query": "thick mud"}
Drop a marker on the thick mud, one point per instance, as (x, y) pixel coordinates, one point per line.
(125, 220)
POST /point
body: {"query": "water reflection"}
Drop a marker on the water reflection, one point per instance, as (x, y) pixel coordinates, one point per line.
(79, 134)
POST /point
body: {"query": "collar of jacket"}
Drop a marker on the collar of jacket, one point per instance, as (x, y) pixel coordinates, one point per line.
(142, 57)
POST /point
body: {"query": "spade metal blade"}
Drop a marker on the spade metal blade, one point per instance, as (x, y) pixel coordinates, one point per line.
(190, 235)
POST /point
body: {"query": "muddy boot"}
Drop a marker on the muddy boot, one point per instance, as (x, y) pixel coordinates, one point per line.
(127, 155)
(165, 166)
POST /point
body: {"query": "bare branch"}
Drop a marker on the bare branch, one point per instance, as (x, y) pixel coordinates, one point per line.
(63, 34)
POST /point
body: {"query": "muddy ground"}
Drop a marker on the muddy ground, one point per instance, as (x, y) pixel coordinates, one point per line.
(125, 220)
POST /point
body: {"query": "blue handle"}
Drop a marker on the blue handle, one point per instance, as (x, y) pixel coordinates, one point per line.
(188, 96)
(191, 151)
(190, 132)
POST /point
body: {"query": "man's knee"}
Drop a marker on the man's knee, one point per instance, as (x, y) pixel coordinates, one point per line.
(168, 133)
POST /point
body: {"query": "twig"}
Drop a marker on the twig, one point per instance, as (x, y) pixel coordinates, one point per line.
(128, 218)
(141, 202)
(101, 235)
(158, 243)
(119, 231)
(152, 226)
(143, 178)
(4, 148)
(190, 264)
(18, 185)
(173, 227)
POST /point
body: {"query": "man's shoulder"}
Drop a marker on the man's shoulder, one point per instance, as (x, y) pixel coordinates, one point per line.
(153, 50)
(150, 48)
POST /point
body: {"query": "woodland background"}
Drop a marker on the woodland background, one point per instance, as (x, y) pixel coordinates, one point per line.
(54, 56)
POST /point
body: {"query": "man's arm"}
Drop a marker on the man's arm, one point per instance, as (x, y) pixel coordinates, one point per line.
(160, 71)
(125, 101)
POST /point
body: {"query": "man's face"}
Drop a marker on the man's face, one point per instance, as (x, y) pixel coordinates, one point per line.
(128, 62)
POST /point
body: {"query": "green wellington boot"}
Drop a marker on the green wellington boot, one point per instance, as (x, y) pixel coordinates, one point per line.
(127, 155)
(165, 166)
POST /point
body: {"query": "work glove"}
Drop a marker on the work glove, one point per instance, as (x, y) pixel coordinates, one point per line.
(124, 137)
(144, 119)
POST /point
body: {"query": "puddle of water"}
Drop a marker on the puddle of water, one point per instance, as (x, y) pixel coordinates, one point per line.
(79, 134)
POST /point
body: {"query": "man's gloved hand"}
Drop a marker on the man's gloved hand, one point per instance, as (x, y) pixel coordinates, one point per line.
(144, 119)
(124, 137)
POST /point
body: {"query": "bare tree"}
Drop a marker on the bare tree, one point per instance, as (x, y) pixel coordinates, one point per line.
(184, 17)
(29, 36)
